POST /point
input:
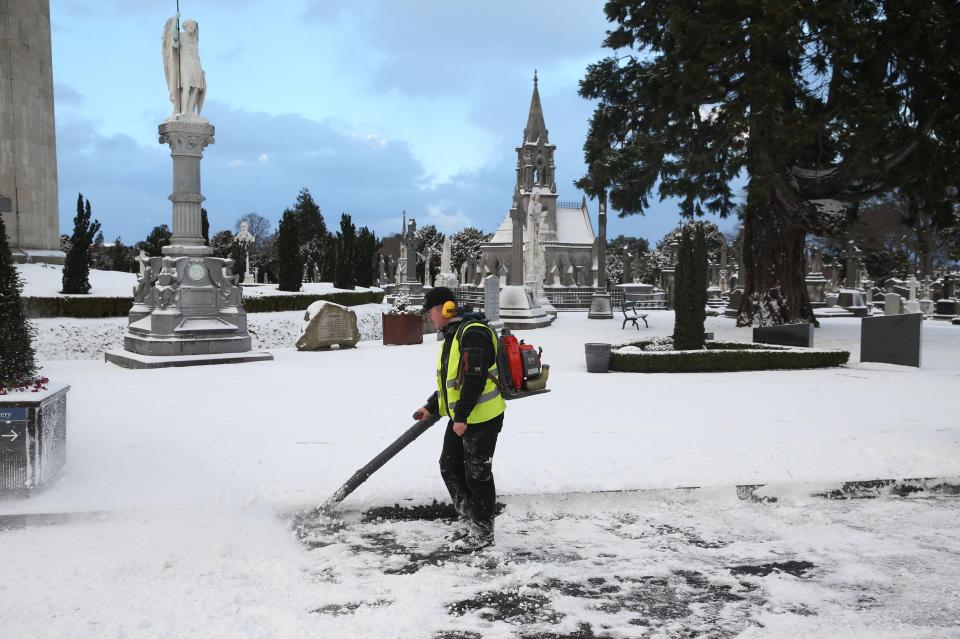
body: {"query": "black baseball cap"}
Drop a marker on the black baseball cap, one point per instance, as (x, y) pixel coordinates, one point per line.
(437, 296)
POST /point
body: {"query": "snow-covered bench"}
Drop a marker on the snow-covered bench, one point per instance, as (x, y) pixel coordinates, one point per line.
(630, 314)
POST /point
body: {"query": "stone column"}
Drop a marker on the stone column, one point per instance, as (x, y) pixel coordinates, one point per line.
(601, 306)
(516, 249)
(187, 139)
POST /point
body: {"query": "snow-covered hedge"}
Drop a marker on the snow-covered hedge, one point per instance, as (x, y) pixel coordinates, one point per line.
(657, 356)
(84, 306)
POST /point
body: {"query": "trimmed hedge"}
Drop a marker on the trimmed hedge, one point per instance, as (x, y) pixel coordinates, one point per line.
(120, 306)
(724, 357)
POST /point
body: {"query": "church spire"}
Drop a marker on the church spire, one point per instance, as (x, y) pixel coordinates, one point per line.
(536, 127)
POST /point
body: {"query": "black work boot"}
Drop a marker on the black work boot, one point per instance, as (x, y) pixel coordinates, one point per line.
(480, 536)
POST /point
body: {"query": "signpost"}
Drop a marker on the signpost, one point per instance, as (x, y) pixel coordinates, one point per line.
(33, 439)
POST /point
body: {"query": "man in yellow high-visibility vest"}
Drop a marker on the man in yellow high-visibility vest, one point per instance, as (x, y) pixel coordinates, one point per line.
(468, 393)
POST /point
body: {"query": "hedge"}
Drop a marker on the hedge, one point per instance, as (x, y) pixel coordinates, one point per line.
(724, 357)
(120, 306)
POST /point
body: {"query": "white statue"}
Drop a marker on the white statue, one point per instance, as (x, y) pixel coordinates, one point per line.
(186, 80)
(535, 258)
(246, 239)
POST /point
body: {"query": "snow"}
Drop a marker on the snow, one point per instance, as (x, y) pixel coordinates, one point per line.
(175, 479)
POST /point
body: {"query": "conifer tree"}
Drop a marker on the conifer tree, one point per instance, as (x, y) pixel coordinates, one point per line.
(820, 105)
(700, 278)
(76, 267)
(17, 357)
(120, 257)
(683, 338)
(290, 267)
(346, 254)
(366, 265)
(156, 240)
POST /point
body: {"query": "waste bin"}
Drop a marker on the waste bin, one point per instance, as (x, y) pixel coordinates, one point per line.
(598, 357)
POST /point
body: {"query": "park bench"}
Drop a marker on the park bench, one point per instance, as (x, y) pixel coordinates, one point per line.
(630, 314)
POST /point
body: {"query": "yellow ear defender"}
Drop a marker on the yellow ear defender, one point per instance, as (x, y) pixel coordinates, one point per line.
(449, 309)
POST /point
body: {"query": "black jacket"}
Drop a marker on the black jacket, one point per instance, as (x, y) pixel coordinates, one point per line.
(477, 341)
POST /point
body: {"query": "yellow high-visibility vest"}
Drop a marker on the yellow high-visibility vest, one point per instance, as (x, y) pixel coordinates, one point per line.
(491, 402)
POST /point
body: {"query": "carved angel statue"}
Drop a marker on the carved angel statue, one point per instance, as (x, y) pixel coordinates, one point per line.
(186, 80)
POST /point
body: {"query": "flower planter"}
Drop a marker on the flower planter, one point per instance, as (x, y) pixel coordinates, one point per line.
(402, 329)
(33, 438)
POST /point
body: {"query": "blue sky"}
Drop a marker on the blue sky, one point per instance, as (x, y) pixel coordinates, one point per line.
(376, 107)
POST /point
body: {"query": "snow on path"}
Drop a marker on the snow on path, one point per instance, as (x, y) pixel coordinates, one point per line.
(614, 565)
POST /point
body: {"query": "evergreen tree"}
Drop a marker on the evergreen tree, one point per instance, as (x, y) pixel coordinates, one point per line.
(465, 246)
(346, 254)
(700, 279)
(120, 257)
(290, 268)
(428, 236)
(686, 333)
(155, 241)
(17, 357)
(821, 105)
(76, 267)
(205, 226)
(222, 243)
(327, 257)
(366, 268)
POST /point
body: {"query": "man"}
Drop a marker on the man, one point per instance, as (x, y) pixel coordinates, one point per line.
(469, 395)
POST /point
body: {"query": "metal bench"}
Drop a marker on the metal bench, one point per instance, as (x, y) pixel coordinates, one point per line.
(630, 314)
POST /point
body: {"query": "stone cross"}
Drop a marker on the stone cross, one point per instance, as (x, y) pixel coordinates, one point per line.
(141, 257)
(246, 240)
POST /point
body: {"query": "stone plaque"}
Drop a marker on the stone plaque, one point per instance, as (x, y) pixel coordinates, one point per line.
(785, 335)
(197, 298)
(328, 324)
(892, 339)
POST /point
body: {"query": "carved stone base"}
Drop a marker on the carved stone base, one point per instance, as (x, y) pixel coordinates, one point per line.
(518, 309)
(134, 360)
(601, 306)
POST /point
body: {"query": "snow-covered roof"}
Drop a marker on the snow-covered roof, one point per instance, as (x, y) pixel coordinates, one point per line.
(573, 227)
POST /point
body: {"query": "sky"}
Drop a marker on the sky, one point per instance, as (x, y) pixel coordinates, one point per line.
(376, 107)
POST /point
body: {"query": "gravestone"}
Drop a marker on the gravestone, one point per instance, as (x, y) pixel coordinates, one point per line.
(893, 339)
(892, 304)
(491, 302)
(785, 335)
(328, 324)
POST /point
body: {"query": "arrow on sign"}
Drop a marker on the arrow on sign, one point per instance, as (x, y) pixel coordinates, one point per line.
(12, 436)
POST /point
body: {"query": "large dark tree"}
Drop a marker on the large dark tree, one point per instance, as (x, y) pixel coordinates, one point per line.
(120, 258)
(155, 241)
(819, 104)
(690, 290)
(346, 254)
(367, 265)
(17, 357)
(289, 266)
(76, 267)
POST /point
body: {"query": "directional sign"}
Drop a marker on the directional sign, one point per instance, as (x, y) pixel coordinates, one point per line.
(12, 435)
(13, 414)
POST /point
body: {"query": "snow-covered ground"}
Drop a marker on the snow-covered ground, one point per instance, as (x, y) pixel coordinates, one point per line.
(190, 467)
(46, 280)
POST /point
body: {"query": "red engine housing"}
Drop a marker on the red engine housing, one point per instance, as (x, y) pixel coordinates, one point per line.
(511, 348)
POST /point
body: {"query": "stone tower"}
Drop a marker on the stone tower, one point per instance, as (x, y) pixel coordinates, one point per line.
(28, 147)
(536, 168)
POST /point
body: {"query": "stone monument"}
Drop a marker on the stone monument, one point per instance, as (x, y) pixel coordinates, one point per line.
(246, 240)
(188, 308)
(491, 302)
(601, 306)
(534, 255)
(815, 281)
(446, 277)
(407, 282)
(28, 143)
(327, 324)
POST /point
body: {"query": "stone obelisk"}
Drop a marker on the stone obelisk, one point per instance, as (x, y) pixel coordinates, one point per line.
(601, 306)
(188, 308)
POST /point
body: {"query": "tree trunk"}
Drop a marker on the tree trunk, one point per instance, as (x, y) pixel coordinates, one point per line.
(775, 290)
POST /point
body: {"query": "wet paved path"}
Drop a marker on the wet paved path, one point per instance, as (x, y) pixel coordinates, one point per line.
(634, 566)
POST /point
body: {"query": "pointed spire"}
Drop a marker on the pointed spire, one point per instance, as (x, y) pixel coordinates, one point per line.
(536, 127)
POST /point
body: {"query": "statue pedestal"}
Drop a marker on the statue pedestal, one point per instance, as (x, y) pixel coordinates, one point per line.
(187, 307)
(518, 309)
(601, 307)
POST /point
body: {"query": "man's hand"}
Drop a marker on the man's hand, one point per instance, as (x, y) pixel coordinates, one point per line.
(421, 413)
(460, 428)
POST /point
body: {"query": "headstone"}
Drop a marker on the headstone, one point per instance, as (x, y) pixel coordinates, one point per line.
(853, 256)
(891, 304)
(328, 324)
(785, 335)
(491, 302)
(912, 304)
(894, 339)
(464, 274)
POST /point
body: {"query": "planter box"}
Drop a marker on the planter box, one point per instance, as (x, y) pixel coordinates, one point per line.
(33, 438)
(402, 329)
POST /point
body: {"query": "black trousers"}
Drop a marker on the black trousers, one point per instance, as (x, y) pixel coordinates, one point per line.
(466, 465)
